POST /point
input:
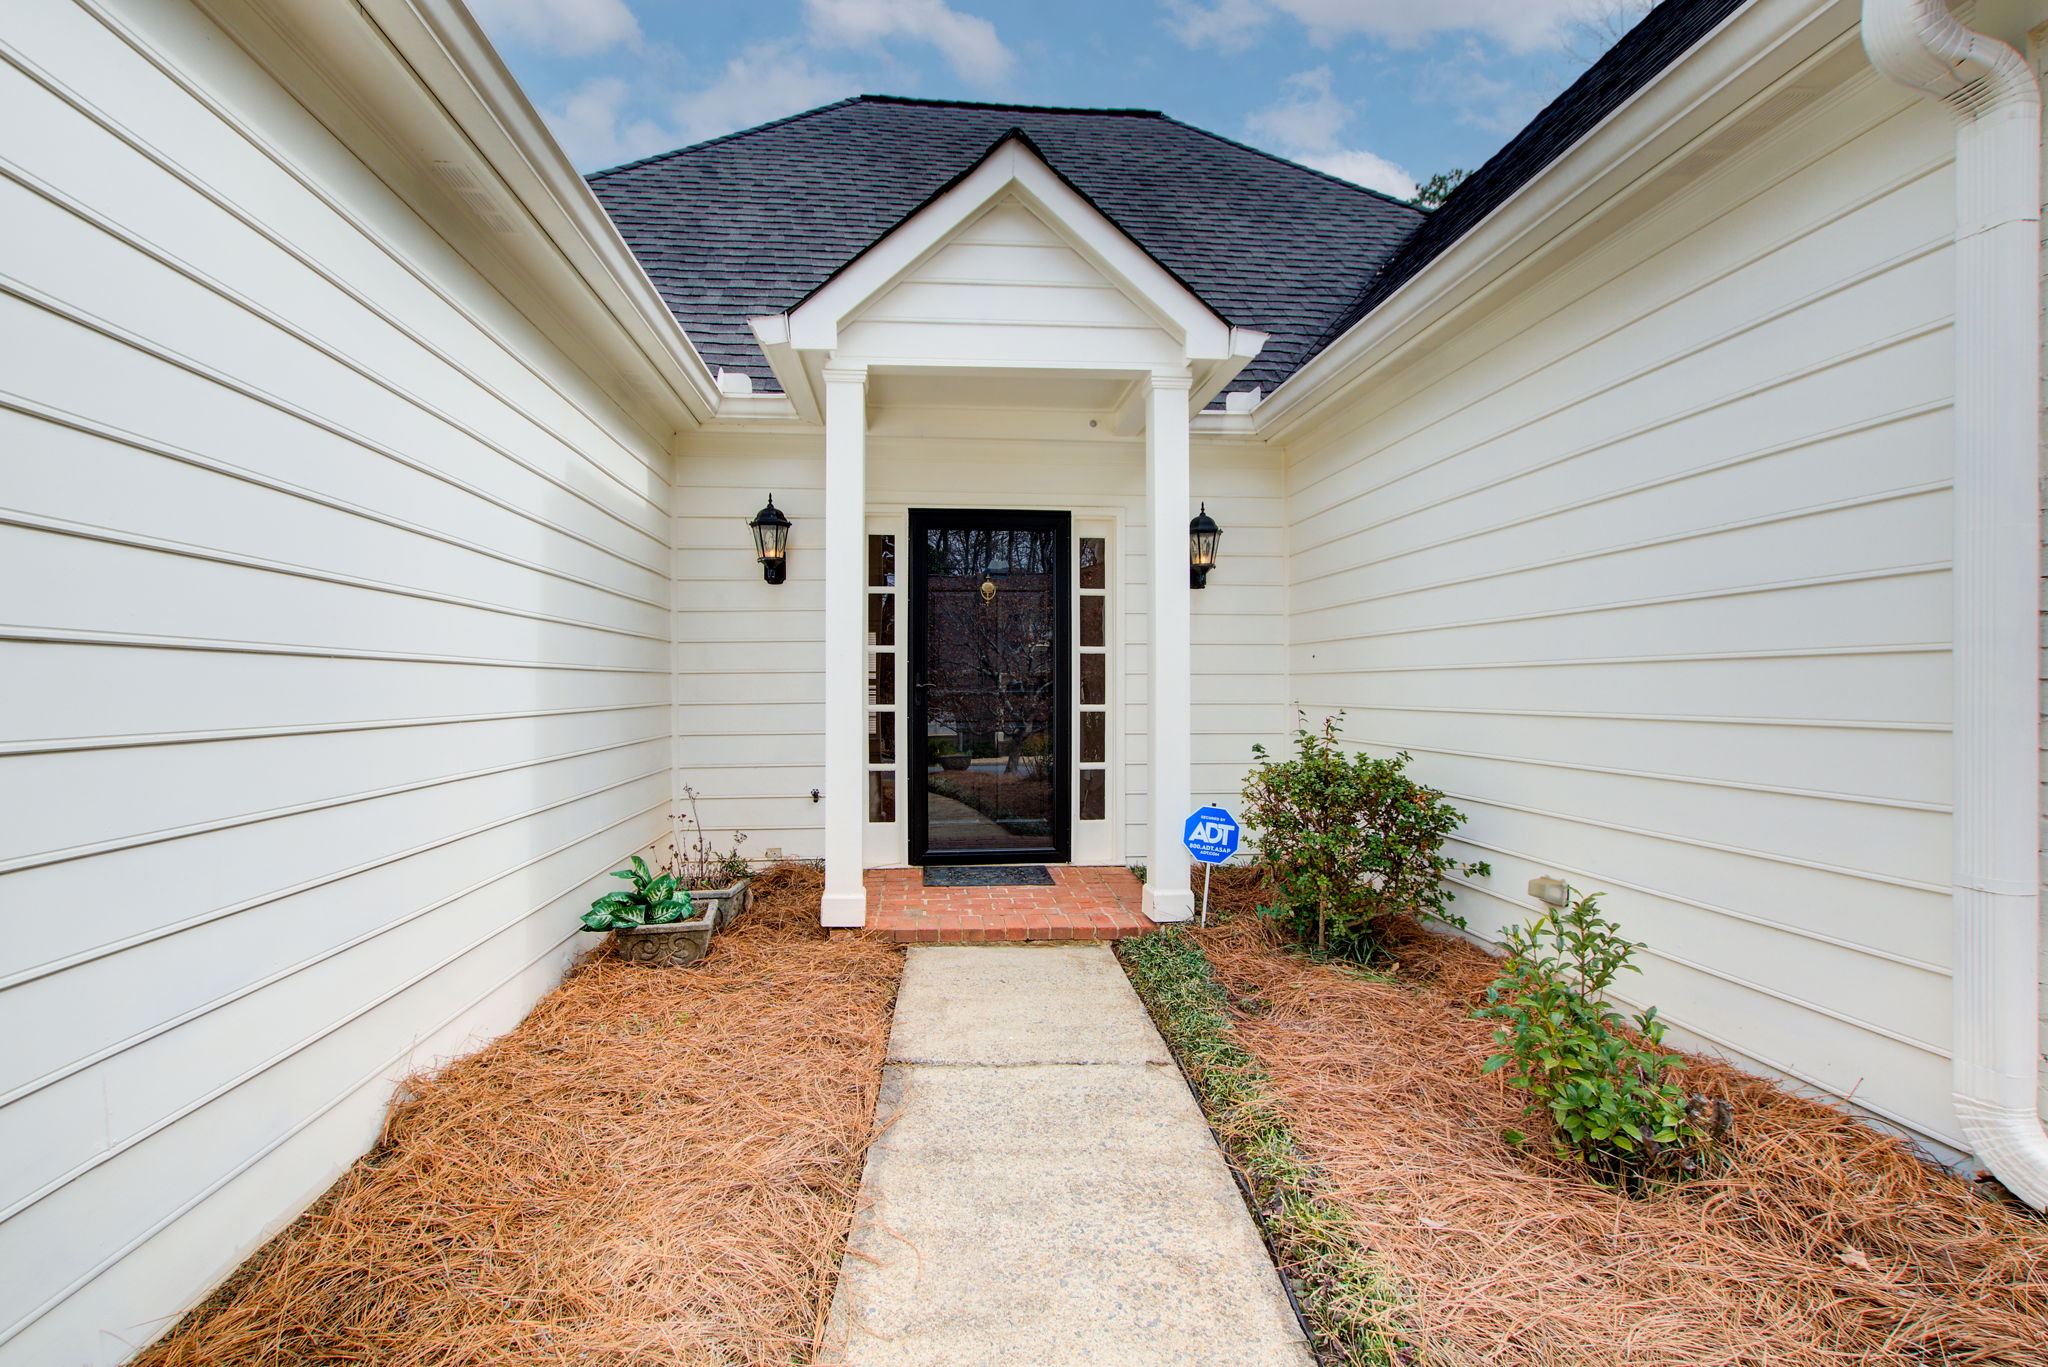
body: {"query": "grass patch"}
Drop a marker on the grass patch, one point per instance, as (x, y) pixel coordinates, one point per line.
(1345, 1297)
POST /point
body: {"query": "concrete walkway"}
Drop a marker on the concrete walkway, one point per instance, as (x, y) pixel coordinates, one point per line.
(1047, 1193)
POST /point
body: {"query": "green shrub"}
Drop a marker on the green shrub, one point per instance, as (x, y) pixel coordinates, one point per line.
(1606, 1097)
(1348, 839)
(653, 900)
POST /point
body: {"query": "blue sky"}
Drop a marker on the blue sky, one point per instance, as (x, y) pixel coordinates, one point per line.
(1383, 92)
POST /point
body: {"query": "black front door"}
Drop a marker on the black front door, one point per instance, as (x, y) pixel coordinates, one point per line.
(987, 759)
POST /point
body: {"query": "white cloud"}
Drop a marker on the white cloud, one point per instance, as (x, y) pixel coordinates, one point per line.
(567, 28)
(595, 130)
(1361, 167)
(1519, 24)
(766, 81)
(1483, 101)
(1306, 124)
(1226, 25)
(1522, 25)
(1309, 116)
(653, 102)
(969, 43)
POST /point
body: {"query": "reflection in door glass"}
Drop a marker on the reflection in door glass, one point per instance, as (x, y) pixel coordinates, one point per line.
(1091, 620)
(1094, 562)
(1094, 786)
(1094, 726)
(991, 614)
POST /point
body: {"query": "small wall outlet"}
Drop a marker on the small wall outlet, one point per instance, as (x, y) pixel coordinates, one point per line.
(772, 852)
(1554, 892)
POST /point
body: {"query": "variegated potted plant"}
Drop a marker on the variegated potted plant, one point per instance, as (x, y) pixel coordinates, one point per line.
(655, 922)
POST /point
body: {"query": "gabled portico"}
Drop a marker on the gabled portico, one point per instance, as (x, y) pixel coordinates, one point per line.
(1008, 276)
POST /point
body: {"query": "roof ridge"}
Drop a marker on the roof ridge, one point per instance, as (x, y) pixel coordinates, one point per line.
(1020, 108)
(1296, 165)
(726, 137)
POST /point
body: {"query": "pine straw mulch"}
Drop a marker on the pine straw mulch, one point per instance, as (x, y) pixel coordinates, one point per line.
(657, 1166)
(1824, 1243)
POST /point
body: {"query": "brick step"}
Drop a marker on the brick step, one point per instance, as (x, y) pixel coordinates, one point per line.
(1082, 904)
(1003, 928)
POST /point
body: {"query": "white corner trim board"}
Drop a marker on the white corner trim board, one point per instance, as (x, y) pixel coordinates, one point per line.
(1997, 106)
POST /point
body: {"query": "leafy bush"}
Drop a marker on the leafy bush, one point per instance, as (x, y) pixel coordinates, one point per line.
(1606, 1096)
(654, 900)
(1349, 838)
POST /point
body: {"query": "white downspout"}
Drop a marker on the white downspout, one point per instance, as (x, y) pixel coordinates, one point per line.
(1997, 106)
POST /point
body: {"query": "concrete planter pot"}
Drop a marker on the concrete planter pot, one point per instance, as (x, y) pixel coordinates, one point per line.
(675, 945)
(723, 906)
(955, 762)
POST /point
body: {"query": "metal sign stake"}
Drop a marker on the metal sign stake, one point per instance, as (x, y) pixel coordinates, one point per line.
(1211, 835)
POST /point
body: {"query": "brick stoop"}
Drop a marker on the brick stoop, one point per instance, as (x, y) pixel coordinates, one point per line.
(1084, 903)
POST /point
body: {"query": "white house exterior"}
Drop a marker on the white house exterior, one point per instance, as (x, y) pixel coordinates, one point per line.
(376, 571)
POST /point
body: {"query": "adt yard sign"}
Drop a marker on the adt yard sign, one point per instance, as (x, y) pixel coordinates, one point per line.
(1211, 835)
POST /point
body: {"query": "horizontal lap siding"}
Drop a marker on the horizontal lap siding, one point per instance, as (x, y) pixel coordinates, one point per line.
(1007, 288)
(749, 656)
(333, 658)
(1647, 566)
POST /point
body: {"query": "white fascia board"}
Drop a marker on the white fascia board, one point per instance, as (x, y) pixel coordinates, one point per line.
(1245, 345)
(590, 268)
(1752, 50)
(772, 331)
(752, 411)
(814, 324)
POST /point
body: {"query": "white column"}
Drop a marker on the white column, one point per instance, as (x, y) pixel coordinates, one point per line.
(846, 516)
(1171, 724)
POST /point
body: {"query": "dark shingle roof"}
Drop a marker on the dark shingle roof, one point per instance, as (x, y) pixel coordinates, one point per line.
(1664, 35)
(751, 223)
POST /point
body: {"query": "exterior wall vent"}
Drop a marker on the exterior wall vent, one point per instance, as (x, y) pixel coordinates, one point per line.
(471, 192)
(1746, 130)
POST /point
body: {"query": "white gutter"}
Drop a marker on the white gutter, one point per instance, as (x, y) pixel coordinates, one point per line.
(478, 93)
(1761, 44)
(1997, 106)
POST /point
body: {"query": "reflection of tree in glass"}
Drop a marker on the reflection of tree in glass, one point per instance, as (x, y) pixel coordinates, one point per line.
(990, 663)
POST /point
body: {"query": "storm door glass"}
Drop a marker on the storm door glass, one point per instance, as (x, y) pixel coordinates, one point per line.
(989, 686)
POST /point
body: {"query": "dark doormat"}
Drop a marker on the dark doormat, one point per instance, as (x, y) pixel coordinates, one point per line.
(987, 876)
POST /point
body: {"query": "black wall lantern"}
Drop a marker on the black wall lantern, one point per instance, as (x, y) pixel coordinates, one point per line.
(1202, 537)
(771, 542)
